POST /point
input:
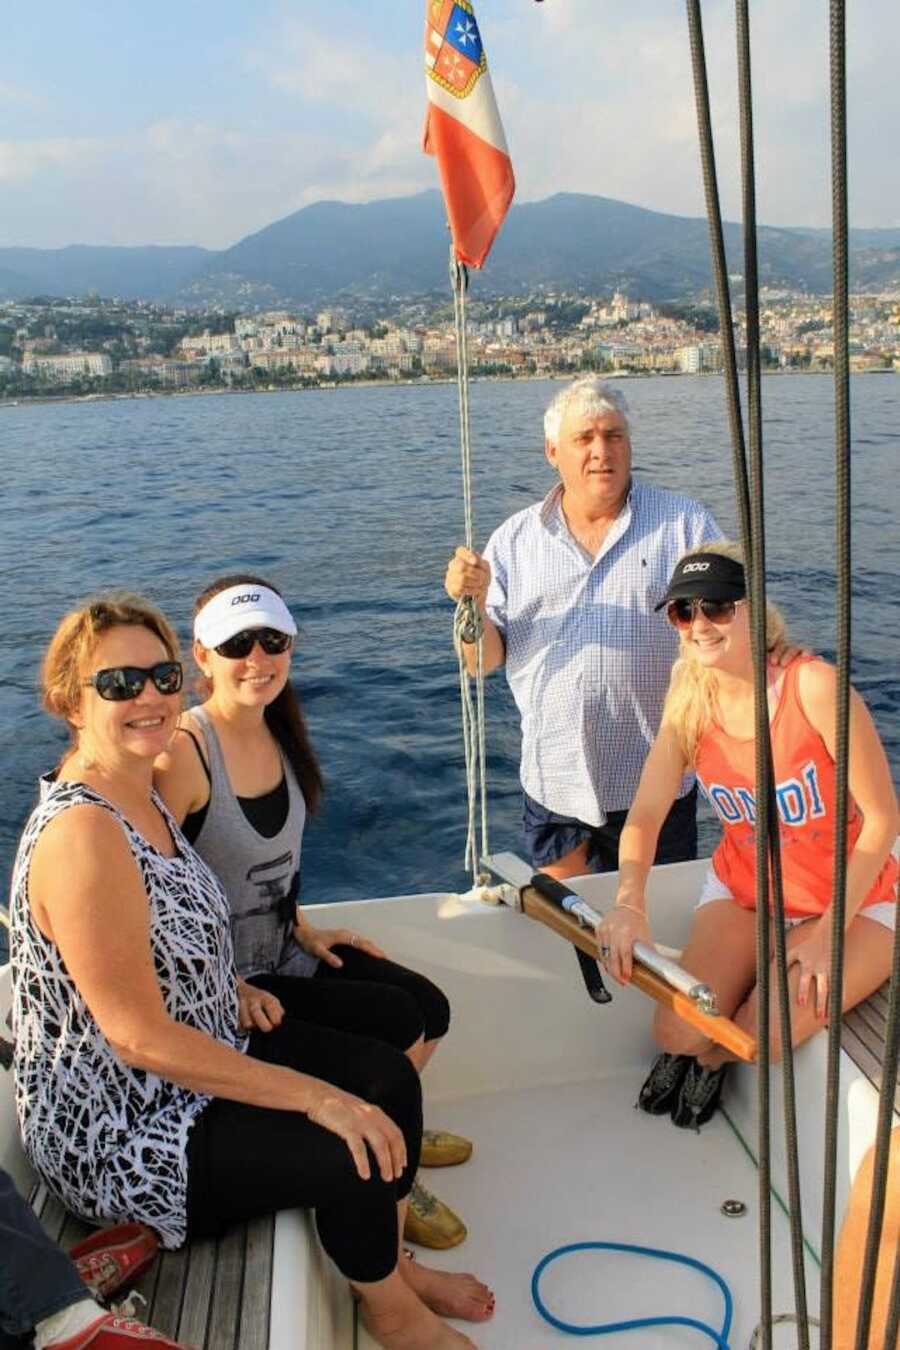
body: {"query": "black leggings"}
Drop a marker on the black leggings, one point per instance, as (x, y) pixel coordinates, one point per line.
(392, 1003)
(249, 1160)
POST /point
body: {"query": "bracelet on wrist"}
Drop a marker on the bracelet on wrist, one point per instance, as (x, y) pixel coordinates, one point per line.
(623, 904)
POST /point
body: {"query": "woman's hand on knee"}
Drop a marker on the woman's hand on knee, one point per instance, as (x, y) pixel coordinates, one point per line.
(258, 1010)
(813, 956)
(320, 941)
(360, 1123)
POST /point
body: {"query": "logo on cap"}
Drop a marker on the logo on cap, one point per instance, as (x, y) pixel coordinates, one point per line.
(695, 567)
(253, 596)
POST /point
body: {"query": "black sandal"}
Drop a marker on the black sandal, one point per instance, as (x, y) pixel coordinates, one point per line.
(663, 1084)
(699, 1096)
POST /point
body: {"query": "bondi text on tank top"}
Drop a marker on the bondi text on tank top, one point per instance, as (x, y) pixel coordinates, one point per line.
(804, 794)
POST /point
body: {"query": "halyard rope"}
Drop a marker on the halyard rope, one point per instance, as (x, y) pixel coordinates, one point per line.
(467, 624)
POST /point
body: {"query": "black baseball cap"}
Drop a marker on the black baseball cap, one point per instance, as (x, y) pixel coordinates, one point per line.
(706, 576)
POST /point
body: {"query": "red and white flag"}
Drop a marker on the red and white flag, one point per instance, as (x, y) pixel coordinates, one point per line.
(463, 129)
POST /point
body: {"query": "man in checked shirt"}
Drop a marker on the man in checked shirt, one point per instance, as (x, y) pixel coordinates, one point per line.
(567, 590)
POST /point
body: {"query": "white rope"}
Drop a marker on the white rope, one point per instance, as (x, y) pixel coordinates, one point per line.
(455, 906)
(486, 895)
(474, 745)
(467, 624)
(780, 1319)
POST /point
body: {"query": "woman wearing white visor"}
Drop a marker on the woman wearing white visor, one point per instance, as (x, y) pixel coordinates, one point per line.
(240, 780)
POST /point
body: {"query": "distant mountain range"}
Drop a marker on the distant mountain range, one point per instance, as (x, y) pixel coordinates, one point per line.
(397, 248)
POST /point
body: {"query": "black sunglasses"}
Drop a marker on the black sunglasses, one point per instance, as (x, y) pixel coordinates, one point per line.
(680, 613)
(117, 684)
(271, 640)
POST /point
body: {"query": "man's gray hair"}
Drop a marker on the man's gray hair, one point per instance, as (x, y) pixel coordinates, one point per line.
(587, 394)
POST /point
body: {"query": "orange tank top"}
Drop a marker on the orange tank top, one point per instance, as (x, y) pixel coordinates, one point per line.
(805, 791)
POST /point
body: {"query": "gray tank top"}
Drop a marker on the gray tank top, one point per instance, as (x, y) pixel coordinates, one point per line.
(260, 876)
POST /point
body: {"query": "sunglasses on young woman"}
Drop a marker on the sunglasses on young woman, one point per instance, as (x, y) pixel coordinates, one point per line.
(681, 613)
(272, 641)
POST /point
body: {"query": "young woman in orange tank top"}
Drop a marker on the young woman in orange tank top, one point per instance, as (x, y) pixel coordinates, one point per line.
(708, 726)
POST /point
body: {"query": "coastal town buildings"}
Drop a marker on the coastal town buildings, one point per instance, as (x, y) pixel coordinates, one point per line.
(68, 366)
(91, 345)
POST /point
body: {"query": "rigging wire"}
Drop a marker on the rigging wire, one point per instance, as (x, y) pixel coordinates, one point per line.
(892, 1327)
(757, 573)
(880, 1172)
(720, 267)
(768, 844)
(837, 56)
(841, 320)
(767, 840)
(726, 329)
(467, 623)
(752, 525)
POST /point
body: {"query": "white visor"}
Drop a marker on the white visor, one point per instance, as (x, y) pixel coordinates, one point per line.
(240, 607)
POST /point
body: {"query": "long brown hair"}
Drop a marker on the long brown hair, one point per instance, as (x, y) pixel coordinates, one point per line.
(283, 716)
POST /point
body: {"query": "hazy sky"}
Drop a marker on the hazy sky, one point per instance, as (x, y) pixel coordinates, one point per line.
(199, 121)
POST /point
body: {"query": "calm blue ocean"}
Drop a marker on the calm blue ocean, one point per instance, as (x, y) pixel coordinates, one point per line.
(350, 500)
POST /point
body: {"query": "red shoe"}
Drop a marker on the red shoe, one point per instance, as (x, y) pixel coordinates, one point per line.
(114, 1257)
(115, 1333)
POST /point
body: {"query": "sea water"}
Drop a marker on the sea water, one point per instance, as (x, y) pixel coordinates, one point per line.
(350, 500)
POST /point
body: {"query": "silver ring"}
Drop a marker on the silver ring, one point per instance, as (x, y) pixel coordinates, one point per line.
(604, 952)
(353, 941)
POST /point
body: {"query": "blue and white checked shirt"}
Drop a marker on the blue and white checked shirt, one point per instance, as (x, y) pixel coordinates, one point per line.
(587, 659)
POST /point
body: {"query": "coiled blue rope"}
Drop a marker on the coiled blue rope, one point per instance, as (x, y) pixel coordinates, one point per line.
(607, 1328)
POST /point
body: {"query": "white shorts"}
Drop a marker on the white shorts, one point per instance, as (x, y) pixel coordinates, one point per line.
(884, 913)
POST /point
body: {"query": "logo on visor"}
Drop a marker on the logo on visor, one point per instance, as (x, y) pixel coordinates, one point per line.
(691, 567)
(254, 596)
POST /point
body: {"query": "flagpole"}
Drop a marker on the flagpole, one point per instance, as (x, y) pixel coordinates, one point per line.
(464, 132)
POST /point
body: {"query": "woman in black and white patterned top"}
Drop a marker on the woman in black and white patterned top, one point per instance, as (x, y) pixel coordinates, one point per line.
(136, 1096)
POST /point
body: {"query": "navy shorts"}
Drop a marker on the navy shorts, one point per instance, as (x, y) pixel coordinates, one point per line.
(549, 836)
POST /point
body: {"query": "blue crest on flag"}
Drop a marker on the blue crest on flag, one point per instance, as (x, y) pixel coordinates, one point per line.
(462, 33)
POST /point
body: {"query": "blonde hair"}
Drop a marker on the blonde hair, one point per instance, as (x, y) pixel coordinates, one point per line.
(692, 701)
(77, 634)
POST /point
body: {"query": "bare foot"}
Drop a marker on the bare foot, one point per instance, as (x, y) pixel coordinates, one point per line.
(449, 1294)
(409, 1325)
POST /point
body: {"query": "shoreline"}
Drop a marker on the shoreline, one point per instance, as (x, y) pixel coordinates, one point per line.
(43, 400)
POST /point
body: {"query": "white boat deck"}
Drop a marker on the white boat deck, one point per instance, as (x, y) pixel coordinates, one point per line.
(544, 1082)
(577, 1164)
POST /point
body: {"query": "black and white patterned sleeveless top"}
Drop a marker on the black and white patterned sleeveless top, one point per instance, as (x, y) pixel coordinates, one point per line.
(111, 1141)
